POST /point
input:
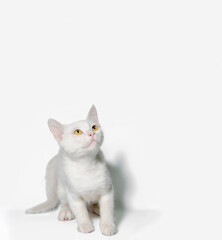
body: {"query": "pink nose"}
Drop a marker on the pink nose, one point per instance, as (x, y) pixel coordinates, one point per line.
(91, 134)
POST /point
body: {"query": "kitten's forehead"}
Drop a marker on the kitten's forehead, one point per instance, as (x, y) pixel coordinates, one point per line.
(84, 125)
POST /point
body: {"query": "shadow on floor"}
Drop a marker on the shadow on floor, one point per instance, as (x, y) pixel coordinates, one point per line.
(123, 185)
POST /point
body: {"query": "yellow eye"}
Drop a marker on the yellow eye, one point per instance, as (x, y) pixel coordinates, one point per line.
(78, 132)
(94, 128)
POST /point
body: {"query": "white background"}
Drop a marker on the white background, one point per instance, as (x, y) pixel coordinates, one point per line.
(153, 69)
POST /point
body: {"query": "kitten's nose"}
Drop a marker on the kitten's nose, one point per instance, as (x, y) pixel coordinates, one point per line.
(91, 134)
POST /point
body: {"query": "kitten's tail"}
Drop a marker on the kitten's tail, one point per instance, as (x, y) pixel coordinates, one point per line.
(51, 186)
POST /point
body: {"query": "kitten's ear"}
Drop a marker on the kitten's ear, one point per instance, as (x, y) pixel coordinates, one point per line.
(92, 115)
(56, 128)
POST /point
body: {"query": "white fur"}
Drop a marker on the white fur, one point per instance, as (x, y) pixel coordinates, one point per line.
(77, 177)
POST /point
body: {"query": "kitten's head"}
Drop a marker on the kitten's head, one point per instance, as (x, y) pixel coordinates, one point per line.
(79, 138)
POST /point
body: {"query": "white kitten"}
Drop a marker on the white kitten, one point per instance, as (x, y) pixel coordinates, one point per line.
(77, 177)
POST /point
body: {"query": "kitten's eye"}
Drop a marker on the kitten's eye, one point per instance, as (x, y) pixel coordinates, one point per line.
(78, 132)
(94, 128)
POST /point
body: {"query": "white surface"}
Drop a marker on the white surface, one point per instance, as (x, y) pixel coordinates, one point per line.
(154, 70)
(46, 226)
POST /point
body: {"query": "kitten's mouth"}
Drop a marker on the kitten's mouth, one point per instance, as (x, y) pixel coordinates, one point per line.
(93, 141)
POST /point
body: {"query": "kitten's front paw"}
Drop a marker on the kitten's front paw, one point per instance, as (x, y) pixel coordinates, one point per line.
(108, 229)
(65, 215)
(85, 228)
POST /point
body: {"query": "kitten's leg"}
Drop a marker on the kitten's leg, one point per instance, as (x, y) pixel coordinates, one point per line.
(65, 213)
(107, 224)
(79, 208)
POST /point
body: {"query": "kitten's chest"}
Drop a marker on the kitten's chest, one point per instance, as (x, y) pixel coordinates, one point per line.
(88, 180)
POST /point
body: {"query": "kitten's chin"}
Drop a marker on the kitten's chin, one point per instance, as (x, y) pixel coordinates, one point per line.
(79, 151)
(92, 144)
(90, 151)
(92, 148)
